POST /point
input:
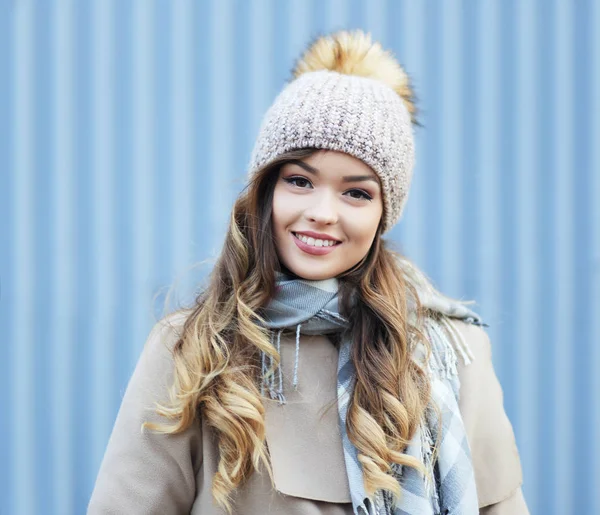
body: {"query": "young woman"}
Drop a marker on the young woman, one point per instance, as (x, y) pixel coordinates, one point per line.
(318, 371)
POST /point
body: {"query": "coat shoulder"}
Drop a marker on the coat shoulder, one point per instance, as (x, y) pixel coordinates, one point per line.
(144, 471)
(168, 329)
(475, 338)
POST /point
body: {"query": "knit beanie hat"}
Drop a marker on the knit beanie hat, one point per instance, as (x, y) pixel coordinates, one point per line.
(350, 95)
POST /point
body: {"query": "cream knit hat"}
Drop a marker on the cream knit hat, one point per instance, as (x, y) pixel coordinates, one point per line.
(349, 95)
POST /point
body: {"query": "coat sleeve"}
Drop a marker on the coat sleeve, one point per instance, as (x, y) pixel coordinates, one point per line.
(146, 472)
(496, 460)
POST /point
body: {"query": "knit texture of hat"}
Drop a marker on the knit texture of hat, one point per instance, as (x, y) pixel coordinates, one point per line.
(359, 115)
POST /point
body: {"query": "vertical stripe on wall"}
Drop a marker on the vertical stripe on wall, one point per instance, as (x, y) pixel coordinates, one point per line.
(451, 127)
(181, 165)
(6, 239)
(126, 129)
(546, 179)
(102, 278)
(563, 273)
(593, 236)
(22, 249)
(149, 203)
(523, 200)
(581, 374)
(62, 355)
(488, 173)
(83, 462)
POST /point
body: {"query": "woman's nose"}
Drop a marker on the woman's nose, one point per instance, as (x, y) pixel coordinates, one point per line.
(322, 210)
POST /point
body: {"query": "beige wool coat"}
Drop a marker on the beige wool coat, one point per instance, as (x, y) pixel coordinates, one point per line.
(147, 473)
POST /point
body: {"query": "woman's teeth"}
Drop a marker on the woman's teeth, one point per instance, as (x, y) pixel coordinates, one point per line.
(313, 242)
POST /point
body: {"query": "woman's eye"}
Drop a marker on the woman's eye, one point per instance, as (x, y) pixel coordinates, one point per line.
(359, 194)
(301, 182)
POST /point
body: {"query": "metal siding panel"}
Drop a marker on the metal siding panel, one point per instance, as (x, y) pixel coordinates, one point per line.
(203, 188)
(406, 35)
(221, 121)
(64, 252)
(298, 23)
(23, 425)
(563, 161)
(432, 168)
(546, 183)
(102, 279)
(488, 167)
(85, 467)
(260, 83)
(128, 130)
(375, 16)
(523, 200)
(469, 204)
(581, 346)
(161, 205)
(146, 197)
(181, 166)
(7, 143)
(126, 226)
(505, 337)
(42, 188)
(451, 126)
(336, 14)
(593, 246)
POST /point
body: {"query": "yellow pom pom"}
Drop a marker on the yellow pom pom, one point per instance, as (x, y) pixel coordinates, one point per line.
(353, 53)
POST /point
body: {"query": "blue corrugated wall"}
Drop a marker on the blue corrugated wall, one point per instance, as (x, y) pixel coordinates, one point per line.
(125, 129)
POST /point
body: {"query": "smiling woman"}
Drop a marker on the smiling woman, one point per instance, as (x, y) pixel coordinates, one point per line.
(318, 372)
(327, 209)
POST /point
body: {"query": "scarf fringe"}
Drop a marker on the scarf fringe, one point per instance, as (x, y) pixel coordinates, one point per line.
(448, 341)
(268, 372)
(427, 445)
(448, 344)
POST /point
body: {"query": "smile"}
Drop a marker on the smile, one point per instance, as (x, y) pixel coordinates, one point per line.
(313, 242)
(314, 246)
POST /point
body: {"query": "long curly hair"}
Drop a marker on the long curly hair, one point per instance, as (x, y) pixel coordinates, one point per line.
(217, 370)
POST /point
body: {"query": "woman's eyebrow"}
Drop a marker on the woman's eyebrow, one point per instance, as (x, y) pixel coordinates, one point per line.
(306, 166)
(355, 178)
(346, 178)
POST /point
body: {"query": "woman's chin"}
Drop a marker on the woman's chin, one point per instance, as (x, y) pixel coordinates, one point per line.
(311, 273)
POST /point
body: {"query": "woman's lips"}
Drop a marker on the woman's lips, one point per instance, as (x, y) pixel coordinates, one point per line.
(310, 249)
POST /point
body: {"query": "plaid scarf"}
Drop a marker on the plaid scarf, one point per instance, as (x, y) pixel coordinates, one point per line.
(311, 307)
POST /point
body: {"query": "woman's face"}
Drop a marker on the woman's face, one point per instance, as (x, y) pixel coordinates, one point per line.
(326, 210)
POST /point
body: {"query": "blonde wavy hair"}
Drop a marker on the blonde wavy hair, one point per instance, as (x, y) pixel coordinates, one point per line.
(217, 358)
